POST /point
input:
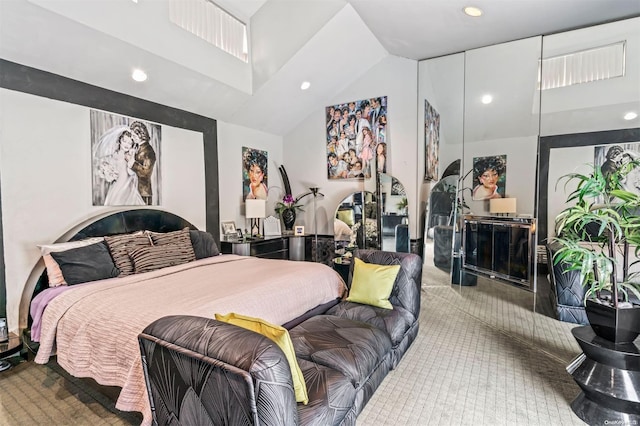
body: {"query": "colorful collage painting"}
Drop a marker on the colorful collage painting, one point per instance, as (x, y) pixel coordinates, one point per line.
(356, 139)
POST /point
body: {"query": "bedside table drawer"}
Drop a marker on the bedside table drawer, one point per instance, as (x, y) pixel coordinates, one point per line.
(278, 247)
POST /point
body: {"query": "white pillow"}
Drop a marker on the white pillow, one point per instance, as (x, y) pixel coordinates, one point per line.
(341, 231)
(58, 247)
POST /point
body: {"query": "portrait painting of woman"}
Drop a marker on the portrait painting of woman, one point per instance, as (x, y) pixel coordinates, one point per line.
(254, 166)
(489, 177)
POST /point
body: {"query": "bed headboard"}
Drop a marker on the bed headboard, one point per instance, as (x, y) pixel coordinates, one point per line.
(122, 222)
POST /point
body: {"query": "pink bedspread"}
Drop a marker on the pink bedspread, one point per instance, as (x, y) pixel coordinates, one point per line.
(93, 328)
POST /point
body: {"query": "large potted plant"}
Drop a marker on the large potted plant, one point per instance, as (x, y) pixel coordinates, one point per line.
(596, 235)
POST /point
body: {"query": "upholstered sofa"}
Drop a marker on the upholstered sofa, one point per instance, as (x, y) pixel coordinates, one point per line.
(203, 371)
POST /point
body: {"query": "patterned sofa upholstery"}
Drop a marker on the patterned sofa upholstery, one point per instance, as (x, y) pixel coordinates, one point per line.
(202, 371)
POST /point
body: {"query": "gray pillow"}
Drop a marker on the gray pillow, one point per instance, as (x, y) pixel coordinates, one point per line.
(85, 264)
(203, 244)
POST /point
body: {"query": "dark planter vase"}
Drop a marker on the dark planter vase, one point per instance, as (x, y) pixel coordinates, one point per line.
(614, 325)
(289, 218)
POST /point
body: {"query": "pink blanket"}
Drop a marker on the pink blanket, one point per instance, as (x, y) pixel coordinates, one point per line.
(93, 328)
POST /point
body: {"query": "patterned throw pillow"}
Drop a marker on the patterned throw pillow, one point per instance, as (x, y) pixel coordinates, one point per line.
(180, 238)
(148, 259)
(121, 245)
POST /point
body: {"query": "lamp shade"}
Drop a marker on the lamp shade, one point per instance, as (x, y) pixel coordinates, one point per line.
(255, 209)
(502, 205)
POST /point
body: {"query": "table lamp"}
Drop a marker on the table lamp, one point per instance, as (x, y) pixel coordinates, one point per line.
(502, 206)
(255, 210)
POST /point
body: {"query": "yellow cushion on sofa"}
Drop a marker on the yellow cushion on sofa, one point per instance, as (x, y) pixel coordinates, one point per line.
(280, 336)
(372, 283)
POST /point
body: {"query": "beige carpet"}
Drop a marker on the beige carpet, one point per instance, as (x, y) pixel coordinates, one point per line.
(482, 357)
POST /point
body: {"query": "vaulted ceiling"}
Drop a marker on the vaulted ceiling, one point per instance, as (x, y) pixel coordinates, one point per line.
(330, 43)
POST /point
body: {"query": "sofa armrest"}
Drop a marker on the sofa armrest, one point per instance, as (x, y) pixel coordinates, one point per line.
(197, 367)
(406, 289)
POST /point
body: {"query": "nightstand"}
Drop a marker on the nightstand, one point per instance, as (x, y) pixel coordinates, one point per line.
(342, 265)
(267, 247)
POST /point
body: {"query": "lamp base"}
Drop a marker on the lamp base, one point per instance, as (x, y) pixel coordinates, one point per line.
(255, 227)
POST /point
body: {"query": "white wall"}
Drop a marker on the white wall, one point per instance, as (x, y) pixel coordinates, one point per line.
(305, 147)
(45, 160)
(521, 170)
(231, 139)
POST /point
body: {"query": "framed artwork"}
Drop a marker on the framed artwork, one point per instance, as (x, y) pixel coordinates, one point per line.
(298, 230)
(239, 233)
(489, 177)
(356, 138)
(431, 141)
(254, 174)
(125, 160)
(229, 228)
(610, 158)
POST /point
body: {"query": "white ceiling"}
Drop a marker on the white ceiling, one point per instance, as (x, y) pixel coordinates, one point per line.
(100, 41)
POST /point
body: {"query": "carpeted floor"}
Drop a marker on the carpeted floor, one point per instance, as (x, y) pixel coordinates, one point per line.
(482, 357)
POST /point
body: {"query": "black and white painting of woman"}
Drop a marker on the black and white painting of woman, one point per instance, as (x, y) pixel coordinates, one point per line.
(618, 157)
(119, 156)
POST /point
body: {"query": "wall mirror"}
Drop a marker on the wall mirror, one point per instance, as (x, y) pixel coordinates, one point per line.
(356, 222)
(440, 89)
(393, 214)
(488, 104)
(583, 112)
(526, 121)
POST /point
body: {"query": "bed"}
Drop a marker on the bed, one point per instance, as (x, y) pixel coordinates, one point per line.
(92, 327)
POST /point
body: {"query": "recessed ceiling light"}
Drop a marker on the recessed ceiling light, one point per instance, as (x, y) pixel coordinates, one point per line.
(135, 1)
(473, 11)
(305, 85)
(630, 115)
(487, 99)
(139, 75)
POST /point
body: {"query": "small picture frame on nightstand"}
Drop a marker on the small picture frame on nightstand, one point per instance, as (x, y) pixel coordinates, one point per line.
(228, 228)
(239, 233)
(298, 230)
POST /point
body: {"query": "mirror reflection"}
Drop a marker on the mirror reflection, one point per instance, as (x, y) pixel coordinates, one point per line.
(394, 219)
(376, 219)
(355, 224)
(441, 216)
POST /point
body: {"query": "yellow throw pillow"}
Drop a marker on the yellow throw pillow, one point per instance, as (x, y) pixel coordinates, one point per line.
(280, 336)
(372, 283)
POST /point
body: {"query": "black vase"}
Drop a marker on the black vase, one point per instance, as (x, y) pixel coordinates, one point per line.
(289, 218)
(621, 325)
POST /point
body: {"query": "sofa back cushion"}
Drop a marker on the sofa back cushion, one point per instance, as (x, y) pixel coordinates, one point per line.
(187, 359)
(406, 288)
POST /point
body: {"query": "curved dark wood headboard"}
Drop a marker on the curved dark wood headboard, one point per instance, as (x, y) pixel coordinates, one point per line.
(122, 222)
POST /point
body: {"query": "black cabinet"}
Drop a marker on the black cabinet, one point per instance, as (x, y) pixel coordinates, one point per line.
(499, 247)
(268, 247)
